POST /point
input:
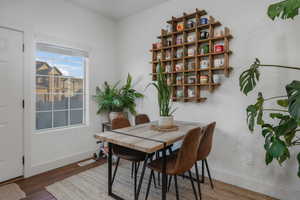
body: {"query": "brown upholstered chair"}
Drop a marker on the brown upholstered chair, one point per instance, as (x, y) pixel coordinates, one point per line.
(125, 153)
(183, 161)
(203, 152)
(141, 119)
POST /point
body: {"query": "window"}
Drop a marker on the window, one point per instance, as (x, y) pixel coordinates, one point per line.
(60, 87)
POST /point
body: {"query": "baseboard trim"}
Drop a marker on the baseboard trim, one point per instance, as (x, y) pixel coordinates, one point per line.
(44, 167)
(255, 185)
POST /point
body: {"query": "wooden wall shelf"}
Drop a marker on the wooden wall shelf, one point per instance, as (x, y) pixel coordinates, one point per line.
(185, 60)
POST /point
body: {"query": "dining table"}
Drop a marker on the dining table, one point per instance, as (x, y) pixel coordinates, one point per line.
(146, 139)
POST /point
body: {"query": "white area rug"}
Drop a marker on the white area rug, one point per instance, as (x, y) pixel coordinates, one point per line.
(11, 192)
(92, 185)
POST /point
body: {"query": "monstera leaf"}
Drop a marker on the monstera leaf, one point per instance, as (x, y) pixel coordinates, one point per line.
(298, 158)
(255, 113)
(293, 91)
(249, 78)
(287, 9)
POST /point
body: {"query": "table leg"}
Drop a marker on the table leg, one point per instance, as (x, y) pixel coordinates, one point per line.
(164, 175)
(142, 177)
(109, 169)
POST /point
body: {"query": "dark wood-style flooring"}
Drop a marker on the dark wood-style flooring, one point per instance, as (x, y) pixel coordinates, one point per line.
(34, 187)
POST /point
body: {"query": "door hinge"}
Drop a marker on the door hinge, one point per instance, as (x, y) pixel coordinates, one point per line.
(23, 47)
(23, 104)
(23, 160)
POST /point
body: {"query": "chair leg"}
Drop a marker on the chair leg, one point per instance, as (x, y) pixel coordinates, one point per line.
(132, 167)
(153, 175)
(176, 188)
(169, 185)
(192, 182)
(158, 174)
(138, 166)
(115, 171)
(170, 150)
(198, 180)
(135, 181)
(149, 184)
(211, 182)
(203, 179)
(154, 181)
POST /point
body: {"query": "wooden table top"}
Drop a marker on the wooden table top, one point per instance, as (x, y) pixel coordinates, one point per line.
(142, 138)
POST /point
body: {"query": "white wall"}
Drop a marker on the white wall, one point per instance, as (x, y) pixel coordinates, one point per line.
(237, 156)
(60, 22)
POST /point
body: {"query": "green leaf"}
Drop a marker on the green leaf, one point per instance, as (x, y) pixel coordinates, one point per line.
(298, 158)
(287, 9)
(269, 158)
(277, 148)
(251, 115)
(249, 78)
(255, 113)
(289, 137)
(283, 103)
(285, 127)
(293, 91)
(284, 157)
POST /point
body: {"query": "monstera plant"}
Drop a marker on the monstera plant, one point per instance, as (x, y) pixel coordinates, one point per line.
(281, 132)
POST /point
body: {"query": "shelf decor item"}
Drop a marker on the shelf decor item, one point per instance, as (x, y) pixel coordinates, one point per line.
(203, 21)
(193, 40)
(180, 27)
(219, 48)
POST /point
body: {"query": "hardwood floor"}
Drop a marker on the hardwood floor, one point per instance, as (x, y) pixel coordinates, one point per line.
(34, 187)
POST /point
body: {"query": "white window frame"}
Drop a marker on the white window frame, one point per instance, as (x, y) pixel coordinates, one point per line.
(85, 93)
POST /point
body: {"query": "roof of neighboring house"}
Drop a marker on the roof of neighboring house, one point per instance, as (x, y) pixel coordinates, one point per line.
(43, 68)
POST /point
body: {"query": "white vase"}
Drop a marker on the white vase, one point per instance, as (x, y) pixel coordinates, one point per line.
(166, 122)
(114, 115)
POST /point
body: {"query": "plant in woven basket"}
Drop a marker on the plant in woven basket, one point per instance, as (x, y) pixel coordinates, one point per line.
(282, 134)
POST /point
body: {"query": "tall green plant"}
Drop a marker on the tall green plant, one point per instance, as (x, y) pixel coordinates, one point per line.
(117, 99)
(164, 93)
(282, 133)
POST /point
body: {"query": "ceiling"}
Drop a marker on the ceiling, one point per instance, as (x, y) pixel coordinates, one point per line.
(117, 9)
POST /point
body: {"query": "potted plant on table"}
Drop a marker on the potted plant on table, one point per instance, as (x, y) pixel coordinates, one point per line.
(115, 100)
(164, 94)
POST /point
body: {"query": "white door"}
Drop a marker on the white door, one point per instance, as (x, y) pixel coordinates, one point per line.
(11, 110)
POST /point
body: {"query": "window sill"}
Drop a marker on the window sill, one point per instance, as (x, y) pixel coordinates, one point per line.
(59, 130)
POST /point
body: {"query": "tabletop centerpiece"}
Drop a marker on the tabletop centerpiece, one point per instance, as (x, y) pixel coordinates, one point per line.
(164, 93)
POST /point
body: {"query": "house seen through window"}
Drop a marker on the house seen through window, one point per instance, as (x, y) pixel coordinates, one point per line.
(60, 87)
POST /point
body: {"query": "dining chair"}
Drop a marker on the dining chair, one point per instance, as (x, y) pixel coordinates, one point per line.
(183, 161)
(203, 152)
(125, 153)
(141, 119)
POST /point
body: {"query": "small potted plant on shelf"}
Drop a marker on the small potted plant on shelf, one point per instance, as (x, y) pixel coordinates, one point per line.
(164, 93)
(116, 100)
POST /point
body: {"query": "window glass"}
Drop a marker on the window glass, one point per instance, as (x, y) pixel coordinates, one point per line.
(60, 78)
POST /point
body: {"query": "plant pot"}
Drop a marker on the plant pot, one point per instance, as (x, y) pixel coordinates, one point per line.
(114, 115)
(166, 122)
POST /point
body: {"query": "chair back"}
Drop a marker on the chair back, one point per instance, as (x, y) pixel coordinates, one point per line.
(187, 155)
(207, 141)
(141, 119)
(119, 122)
